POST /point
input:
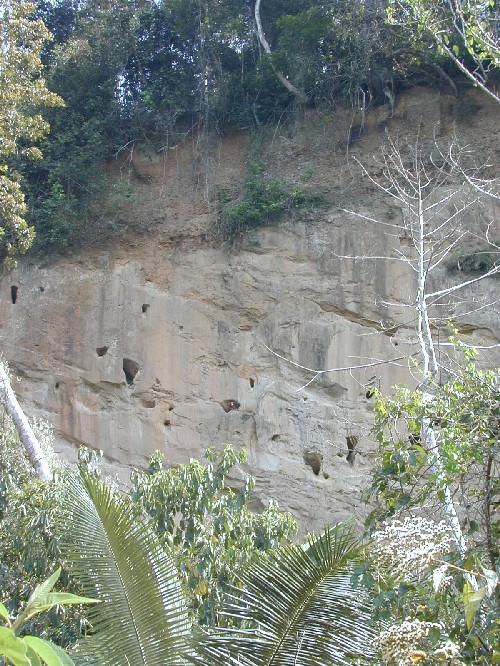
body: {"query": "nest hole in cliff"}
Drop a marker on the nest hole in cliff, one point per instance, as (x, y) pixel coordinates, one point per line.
(166, 423)
(145, 307)
(13, 293)
(252, 382)
(101, 351)
(130, 368)
(352, 441)
(314, 460)
(229, 405)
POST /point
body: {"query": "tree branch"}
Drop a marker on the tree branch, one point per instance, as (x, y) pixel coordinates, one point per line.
(265, 44)
(317, 373)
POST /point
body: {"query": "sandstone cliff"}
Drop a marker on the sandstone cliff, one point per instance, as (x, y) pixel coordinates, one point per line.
(143, 343)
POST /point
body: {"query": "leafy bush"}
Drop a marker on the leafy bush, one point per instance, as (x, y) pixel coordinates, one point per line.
(206, 525)
(262, 202)
(451, 600)
(478, 261)
(29, 541)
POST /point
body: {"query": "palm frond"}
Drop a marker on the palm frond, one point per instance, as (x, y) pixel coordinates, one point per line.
(118, 559)
(300, 607)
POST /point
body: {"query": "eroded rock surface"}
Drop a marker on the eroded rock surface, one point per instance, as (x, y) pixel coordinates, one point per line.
(167, 340)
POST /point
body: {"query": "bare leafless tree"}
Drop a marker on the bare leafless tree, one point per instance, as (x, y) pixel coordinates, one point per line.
(439, 191)
(434, 192)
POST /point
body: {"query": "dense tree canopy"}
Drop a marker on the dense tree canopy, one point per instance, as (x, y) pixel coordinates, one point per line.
(22, 38)
(466, 31)
(148, 73)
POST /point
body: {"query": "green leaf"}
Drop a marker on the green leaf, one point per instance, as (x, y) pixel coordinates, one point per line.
(33, 657)
(304, 607)
(42, 589)
(4, 613)
(472, 602)
(13, 648)
(115, 555)
(58, 599)
(49, 653)
(43, 599)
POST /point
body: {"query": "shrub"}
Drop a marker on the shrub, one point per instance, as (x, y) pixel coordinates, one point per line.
(478, 261)
(262, 201)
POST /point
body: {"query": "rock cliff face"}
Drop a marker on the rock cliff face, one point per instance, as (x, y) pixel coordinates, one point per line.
(162, 340)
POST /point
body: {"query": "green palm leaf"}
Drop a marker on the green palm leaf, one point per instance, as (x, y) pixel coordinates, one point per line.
(118, 559)
(301, 607)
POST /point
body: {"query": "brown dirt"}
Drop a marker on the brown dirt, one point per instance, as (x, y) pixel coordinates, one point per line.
(174, 190)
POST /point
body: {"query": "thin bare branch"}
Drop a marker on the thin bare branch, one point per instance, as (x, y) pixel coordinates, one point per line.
(348, 368)
(451, 290)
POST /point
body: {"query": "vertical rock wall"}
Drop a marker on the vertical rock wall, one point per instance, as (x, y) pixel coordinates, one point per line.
(168, 341)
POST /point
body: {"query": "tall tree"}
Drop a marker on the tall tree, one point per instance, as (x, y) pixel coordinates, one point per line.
(426, 184)
(437, 193)
(466, 31)
(208, 527)
(265, 45)
(22, 38)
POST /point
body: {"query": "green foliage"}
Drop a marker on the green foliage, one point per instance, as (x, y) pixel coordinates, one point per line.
(29, 540)
(465, 415)
(301, 596)
(68, 192)
(118, 557)
(464, 412)
(297, 606)
(321, 50)
(59, 214)
(479, 261)
(143, 73)
(31, 650)
(262, 201)
(129, 563)
(430, 603)
(464, 31)
(206, 525)
(23, 91)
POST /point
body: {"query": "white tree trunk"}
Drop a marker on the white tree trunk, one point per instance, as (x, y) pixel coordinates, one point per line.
(429, 372)
(26, 434)
(265, 44)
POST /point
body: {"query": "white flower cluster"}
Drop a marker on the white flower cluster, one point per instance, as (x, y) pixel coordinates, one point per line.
(401, 644)
(406, 548)
(449, 653)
